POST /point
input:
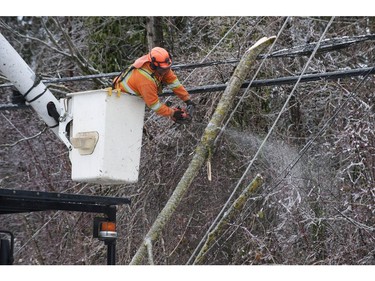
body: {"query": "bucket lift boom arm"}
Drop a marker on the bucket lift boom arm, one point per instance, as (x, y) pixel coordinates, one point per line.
(35, 92)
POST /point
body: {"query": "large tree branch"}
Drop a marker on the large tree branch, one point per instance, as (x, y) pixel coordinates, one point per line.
(205, 145)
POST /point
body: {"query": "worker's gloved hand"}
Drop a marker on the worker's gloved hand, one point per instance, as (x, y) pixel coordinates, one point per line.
(190, 107)
(180, 116)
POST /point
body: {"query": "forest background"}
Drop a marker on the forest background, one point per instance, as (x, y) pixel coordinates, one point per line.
(316, 203)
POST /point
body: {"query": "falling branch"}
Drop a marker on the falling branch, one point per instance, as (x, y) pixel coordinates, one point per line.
(206, 143)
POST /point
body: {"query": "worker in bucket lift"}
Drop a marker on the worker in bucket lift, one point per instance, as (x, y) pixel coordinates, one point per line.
(145, 77)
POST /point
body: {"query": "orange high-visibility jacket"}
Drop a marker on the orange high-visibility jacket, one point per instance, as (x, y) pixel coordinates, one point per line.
(146, 83)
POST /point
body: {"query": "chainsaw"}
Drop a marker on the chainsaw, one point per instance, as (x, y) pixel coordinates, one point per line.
(182, 116)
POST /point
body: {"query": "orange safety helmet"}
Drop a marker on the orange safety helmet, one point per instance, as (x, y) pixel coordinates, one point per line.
(160, 58)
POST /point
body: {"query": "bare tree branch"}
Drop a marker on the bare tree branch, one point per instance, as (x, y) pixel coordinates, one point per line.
(233, 210)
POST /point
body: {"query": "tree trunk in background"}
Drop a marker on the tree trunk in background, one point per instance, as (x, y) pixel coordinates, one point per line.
(154, 32)
(205, 145)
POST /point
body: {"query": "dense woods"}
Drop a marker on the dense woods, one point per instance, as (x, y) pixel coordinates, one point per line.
(312, 143)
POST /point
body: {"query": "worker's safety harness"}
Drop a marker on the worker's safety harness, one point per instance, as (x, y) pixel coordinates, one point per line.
(123, 74)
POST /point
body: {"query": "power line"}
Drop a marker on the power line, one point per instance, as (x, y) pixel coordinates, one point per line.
(284, 80)
(301, 50)
(255, 83)
(327, 45)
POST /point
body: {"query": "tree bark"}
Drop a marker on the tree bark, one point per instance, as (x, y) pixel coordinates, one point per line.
(154, 32)
(205, 145)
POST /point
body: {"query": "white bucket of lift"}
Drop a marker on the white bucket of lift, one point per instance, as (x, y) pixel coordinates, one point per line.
(106, 135)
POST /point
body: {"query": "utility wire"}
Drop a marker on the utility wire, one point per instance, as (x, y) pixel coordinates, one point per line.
(327, 45)
(254, 83)
(266, 138)
(281, 80)
(330, 45)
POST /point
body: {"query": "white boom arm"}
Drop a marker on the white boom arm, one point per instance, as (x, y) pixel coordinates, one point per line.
(15, 69)
(105, 139)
